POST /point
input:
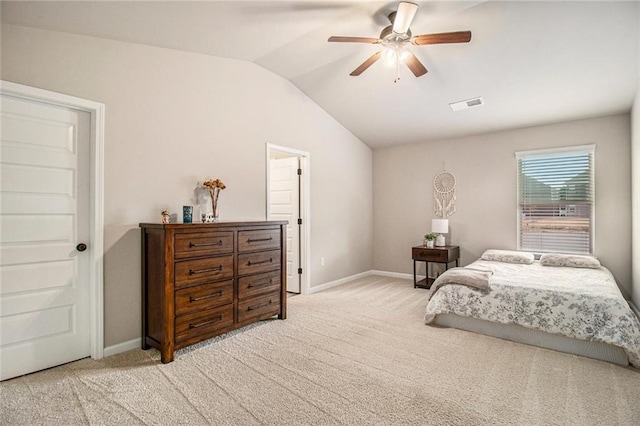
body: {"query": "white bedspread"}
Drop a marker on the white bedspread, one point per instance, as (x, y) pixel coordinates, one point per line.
(576, 302)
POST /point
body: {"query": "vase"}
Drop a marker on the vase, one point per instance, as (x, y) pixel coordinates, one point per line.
(428, 243)
(214, 211)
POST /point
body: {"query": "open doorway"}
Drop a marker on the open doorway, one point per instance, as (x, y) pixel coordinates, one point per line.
(288, 199)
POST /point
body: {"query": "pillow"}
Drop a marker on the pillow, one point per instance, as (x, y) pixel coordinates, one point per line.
(569, 260)
(508, 256)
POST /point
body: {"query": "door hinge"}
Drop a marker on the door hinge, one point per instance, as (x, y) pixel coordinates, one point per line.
(300, 271)
(299, 171)
(299, 221)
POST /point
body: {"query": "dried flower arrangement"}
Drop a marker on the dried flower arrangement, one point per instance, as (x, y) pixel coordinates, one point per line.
(214, 186)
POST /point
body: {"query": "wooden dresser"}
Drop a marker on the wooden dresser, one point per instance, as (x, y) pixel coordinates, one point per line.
(200, 280)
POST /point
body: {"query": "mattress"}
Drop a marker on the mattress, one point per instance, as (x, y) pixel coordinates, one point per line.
(575, 310)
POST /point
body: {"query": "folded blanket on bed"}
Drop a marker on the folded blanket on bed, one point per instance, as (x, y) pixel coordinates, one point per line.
(477, 278)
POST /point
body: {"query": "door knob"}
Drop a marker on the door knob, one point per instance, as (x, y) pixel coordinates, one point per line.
(81, 247)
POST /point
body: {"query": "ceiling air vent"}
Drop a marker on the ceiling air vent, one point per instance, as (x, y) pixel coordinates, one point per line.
(469, 103)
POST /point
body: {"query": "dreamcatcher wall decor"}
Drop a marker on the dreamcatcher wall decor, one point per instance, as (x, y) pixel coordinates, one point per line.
(444, 194)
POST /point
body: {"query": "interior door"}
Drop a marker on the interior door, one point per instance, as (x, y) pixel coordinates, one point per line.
(284, 204)
(44, 215)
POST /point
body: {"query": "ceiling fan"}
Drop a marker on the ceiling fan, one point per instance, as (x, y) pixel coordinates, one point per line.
(396, 37)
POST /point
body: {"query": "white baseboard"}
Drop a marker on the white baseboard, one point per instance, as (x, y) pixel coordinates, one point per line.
(341, 281)
(122, 347)
(330, 284)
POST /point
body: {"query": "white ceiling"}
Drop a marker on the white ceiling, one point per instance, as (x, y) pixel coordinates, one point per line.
(532, 62)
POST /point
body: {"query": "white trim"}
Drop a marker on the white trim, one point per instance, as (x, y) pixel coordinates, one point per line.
(123, 347)
(305, 165)
(96, 209)
(325, 286)
(328, 285)
(274, 147)
(578, 149)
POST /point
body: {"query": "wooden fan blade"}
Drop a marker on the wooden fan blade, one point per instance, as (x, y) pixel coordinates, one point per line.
(404, 16)
(366, 64)
(345, 39)
(455, 37)
(415, 66)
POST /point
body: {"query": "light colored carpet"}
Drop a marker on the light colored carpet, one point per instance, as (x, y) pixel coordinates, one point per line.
(355, 354)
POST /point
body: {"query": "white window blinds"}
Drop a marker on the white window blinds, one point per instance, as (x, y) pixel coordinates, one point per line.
(556, 200)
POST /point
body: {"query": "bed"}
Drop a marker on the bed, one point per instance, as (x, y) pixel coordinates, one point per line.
(556, 302)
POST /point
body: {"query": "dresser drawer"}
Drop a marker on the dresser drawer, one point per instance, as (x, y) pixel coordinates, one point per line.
(259, 307)
(254, 263)
(262, 239)
(203, 296)
(258, 284)
(202, 244)
(203, 325)
(200, 271)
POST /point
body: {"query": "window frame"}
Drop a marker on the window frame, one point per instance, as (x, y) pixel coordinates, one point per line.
(550, 153)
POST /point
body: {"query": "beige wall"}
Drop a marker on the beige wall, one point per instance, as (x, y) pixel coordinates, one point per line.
(635, 196)
(174, 118)
(485, 170)
(635, 188)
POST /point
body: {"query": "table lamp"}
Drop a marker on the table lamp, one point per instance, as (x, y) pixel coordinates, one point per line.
(440, 226)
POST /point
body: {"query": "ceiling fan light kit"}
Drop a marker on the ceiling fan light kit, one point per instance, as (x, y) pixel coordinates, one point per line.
(395, 38)
(404, 16)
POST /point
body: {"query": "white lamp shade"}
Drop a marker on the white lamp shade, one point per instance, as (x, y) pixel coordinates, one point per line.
(440, 226)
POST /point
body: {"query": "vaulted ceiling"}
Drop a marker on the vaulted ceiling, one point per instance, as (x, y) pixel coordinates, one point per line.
(532, 62)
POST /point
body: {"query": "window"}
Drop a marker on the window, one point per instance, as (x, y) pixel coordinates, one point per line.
(556, 200)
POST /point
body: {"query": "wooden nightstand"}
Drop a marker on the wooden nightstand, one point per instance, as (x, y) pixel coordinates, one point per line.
(445, 255)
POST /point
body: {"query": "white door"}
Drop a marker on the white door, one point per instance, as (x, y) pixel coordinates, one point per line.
(45, 316)
(284, 204)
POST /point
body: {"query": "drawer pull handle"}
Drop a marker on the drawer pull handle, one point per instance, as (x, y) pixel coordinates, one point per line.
(202, 324)
(257, 240)
(264, 282)
(202, 271)
(253, 308)
(195, 299)
(191, 245)
(261, 262)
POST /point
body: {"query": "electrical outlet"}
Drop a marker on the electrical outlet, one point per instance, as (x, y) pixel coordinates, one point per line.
(322, 261)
